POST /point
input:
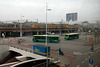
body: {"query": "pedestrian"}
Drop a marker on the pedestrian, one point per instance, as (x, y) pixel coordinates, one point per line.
(3, 35)
(18, 41)
(60, 52)
(86, 37)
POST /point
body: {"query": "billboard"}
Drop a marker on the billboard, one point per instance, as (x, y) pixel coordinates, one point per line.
(71, 16)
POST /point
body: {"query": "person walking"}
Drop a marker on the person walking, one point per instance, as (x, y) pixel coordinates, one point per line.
(3, 35)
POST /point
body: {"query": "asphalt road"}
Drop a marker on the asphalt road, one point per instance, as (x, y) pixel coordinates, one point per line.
(76, 52)
(78, 47)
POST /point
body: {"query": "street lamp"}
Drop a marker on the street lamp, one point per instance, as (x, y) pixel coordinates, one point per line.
(21, 26)
(46, 30)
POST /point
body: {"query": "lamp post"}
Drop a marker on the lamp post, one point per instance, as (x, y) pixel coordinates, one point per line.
(20, 29)
(21, 26)
(46, 31)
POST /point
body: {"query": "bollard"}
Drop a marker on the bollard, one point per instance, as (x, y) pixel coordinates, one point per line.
(92, 48)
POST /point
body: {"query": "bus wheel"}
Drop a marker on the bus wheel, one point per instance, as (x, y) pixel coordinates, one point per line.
(37, 41)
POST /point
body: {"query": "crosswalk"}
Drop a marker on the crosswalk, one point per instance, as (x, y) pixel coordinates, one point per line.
(13, 41)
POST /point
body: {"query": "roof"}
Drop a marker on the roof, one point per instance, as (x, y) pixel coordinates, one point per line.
(48, 35)
(71, 33)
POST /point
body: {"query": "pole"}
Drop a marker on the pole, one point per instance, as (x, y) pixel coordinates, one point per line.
(21, 26)
(92, 49)
(46, 35)
(20, 29)
(46, 31)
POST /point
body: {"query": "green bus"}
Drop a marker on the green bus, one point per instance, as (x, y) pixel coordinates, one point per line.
(71, 36)
(50, 38)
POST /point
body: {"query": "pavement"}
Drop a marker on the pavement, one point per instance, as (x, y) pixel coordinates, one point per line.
(26, 44)
(74, 50)
(3, 51)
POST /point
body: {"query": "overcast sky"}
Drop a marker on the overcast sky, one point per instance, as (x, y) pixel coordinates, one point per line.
(36, 9)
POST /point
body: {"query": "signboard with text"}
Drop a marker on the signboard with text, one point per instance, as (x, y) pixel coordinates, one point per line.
(91, 61)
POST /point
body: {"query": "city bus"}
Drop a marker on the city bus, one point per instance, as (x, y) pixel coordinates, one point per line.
(71, 36)
(50, 38)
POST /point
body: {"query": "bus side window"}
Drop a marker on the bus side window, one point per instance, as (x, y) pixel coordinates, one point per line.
(55, 38)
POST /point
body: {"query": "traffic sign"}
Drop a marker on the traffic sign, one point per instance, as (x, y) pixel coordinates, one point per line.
(90, 40)
(91, 61)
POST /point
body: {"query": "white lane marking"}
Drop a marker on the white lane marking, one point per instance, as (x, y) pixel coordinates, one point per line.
(96, 51)
(86, 59)
(78, 65)
(96, 66)
(82, 62)
(77, 53)
(90, 52)
(96, 48)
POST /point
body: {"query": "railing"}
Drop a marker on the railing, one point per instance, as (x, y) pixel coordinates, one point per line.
(8, 64)
(22, 48)
(40, 65)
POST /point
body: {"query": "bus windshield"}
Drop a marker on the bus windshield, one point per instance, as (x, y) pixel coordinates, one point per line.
(71, 36)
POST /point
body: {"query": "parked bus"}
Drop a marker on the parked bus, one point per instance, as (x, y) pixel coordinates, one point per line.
(50, 38)
(70, 36)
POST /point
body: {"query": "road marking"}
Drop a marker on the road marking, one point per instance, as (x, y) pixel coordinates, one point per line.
(86, 59)
(78, 53)
(69, 55)
(82, 62)
(96, 51)
(87, 52)
(78, 65)
(96, 66)
(90, 52)
(96, 48)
